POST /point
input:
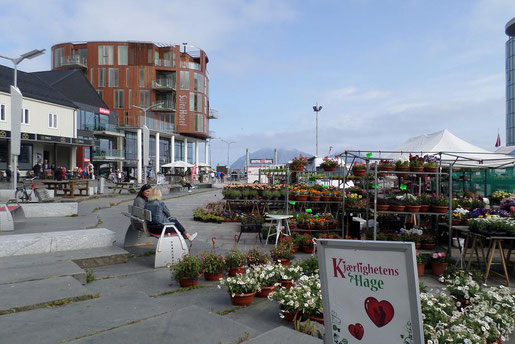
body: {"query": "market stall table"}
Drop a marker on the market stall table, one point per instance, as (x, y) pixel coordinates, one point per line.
(279, 219)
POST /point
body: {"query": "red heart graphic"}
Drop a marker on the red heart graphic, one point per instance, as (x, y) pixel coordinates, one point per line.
(381, 313)
(357, 331)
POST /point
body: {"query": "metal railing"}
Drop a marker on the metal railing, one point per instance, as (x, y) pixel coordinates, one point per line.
(101, 153)
(101, 127)
(157, 124)
(213, 114)
(166, 105)
(168, 84)
(190, 65)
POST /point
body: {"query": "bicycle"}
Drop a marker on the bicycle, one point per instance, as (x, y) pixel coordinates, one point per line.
(23, 195)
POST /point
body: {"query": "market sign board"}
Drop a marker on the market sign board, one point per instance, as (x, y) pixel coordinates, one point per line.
(370, 292)
(261, 161)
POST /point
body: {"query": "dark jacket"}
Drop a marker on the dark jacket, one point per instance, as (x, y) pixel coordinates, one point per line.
(140, 203)
(160, 212)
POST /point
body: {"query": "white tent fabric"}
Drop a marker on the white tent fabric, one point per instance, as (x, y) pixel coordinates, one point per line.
(182, 164)
(452, 150)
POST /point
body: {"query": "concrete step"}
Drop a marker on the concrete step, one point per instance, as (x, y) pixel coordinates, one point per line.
(41, 270)
(79, 319)
(22, 244)
(284, 335)
(187, 325)
(30, 295)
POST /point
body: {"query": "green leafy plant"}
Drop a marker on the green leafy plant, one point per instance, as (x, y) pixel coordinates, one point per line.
(235, 259)
(240, 284)
(212, 263)
(257, 257)
(188, 267)
(281, 251)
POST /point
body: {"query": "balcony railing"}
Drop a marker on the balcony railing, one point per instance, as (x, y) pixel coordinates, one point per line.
(100, 153)
(213, 114)
(190, 65)
(163, 84)
(101, 127)
(157, 124)
(166, 105)
(75, 60)
(212, 133)
(164, 63)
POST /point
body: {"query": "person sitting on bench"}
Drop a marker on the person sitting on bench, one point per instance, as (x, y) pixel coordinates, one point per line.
(161, 215)
(140, 201)
(186, 184)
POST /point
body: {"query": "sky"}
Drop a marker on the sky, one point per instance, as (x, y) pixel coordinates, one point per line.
(383, 70)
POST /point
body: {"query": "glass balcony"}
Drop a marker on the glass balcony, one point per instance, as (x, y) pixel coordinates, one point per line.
(157, 125)
(164, 63)
(213, 114)
(166, 105)
(163, 84)
(75, 60)
(101, 127)
(101, 153)
(190, 65)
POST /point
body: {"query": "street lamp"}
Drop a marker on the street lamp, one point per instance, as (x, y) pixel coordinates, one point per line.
(146, 141)
(317, 109)
(16, 100)
(228, 145)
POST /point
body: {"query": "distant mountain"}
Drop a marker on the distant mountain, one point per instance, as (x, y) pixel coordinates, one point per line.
(283, 156)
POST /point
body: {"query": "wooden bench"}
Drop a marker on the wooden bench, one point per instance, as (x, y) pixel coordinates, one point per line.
(81, 185)
(170, 247)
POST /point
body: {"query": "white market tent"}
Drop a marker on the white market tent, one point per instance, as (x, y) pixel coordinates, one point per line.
(452, 151)
(182, 164)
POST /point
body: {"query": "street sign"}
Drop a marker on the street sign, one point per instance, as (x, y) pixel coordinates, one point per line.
(146, 145)
(370, 292)
(16, 109)
(261, 161)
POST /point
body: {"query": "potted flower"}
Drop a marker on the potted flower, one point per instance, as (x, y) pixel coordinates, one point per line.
(462, 287)
(213, 266)
(439, 263)
(307, 243)
(289, 274)
(430, 163)
(359, 169)
(440, 204)
(235, 261)
(311, 297)
(282, 253)
(329, 164)
(187, 271)
(302, 195)
(402, 166)
(396, 204)
(412, 204)
(386, 165)
(337, 196)
(422, 260)
(257, 257)
(298, 163)
(428, 242)
(325, 196)
(416, 163)
(267, 276)
(425, 203)
(241, 289)
(382, 204)
(289, 302)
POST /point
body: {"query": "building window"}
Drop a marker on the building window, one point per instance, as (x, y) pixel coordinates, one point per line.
(25, 157)
(122, 55)
(126, 119)
(105, 54)
(113, 77)
(130, 99)
(142, 77)
(196, 102)
(199, 122)
(101, 77)
(25, 117)
(2, 112)
(190, 152)
(52, 121)
(150, 56)
(127, 72)
(179, 150)
(91, 75)
(118, 99)
(169, 59)
(198, 82)
(185, 80)
(58, 57)
(131, 146)
(144, 98)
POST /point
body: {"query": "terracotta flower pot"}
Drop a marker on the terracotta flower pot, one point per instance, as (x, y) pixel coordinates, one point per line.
(438, 269)
(385, 168)
(290, 316)
(383, 207)
(308, 249)
(301, 198)
(337, 198)
(424, 208)
(420, 269)
(186, 282)
(431, 169)
(413, 208)
(439, 209)
(212, 276)
(284, 262)
(292, 197)
(242, 299)
(359, 173)
(418, 245)
(314, 198)
(428, 246)
(325, 198)
(329, 169)
(416, 169)
(265, 291)
(401, 169)
(286, 283)
(233, 271)
(319, 320)
(397, 207)
(381, 174)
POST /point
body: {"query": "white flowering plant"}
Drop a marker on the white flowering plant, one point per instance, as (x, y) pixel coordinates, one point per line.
(266, 275)
(290, 272)
(311, 298)
(288, 298)
(240, 284)
(461, 285)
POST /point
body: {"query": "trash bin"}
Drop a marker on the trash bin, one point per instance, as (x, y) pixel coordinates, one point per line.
(101, 183)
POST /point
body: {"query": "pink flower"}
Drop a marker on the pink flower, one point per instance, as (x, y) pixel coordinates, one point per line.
(441, 254)
(435, 255)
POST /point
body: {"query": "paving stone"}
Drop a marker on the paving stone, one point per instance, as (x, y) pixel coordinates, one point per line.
(30, 294)
(187, 325)
(39, 271)
(77, 320)
(266, 311)
(283, 335)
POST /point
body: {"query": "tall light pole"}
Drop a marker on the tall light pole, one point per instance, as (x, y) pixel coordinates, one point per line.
(317, 109)
(228, 145)
(16, 103)
(146, 139)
